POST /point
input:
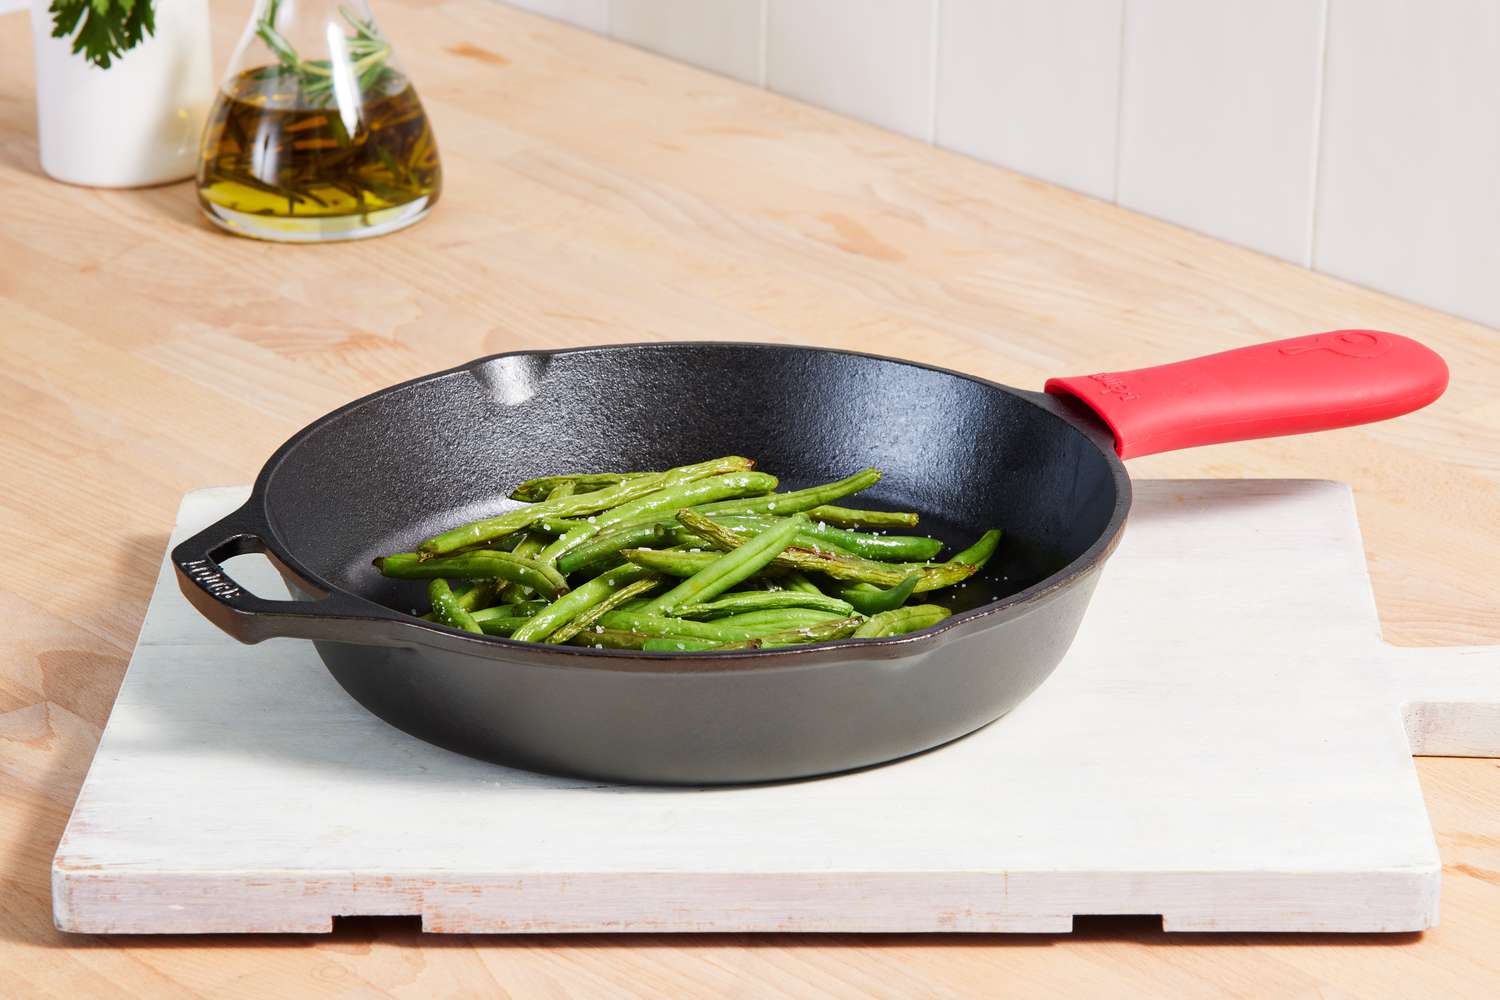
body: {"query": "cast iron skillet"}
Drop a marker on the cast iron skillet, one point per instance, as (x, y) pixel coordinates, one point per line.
(385, 471)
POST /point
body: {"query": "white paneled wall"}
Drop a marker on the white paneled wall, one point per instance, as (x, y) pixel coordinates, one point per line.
(1409, 171)
(722, 35)
(590, 14)
(1219, 118)
(872, 60)
(1358, 137)
(1032, 85)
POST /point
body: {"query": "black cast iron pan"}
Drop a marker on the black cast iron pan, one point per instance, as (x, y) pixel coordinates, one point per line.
(387, 470)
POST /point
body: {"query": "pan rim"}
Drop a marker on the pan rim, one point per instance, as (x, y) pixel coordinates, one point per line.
(502, 648)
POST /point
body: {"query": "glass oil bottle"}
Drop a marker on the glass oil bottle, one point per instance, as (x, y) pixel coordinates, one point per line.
(316, 133)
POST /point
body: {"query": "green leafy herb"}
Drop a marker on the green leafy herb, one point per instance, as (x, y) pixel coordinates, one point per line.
(369, 55)
(110, 27)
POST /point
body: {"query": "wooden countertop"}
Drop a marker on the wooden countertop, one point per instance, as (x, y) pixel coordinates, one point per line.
(593, 194)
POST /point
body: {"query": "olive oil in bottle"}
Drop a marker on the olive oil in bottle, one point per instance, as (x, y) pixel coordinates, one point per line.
(309, 150)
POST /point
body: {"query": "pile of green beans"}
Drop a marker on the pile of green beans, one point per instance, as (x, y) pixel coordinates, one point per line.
(701, 558)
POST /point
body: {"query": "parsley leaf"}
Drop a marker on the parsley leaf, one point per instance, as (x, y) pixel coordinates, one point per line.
(110, 27)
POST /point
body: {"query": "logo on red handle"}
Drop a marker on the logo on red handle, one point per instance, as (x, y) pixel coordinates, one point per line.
(1114, 385)
(1349, 343)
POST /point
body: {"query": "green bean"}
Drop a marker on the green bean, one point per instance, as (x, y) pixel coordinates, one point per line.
(845, 517)
(869, 600)
(503, 626)
(549, 552)
(885, 548)
(837, 565)
(888, 548)
(539, 489)
(589, 616)
(935, 576)
(610, 639)
(668, 501)
(481, 564)
(639, 621)
(486, 530)
(902, 620)
(492, 610)
(779, 619)
(684, 537)
(609, 543)
(700, 491)
(930, 576)
(445, 605)
(563, 610)
(688, 644)
(821, 632)
(797, 500)
(511, 521)
(730, 568)
(763, 600)
(555, 526)
(566, 543)
(479, 594)
(546, 525)
(523, 610)
(670, 561)
(801, 584)
(505, 544)
(680, 643)
(699, 470)
(841, 567)
(529, 547)
(979, 553)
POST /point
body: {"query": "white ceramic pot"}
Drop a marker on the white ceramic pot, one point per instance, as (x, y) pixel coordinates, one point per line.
(137, 122)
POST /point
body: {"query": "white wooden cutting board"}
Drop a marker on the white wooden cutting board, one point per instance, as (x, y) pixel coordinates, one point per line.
(1228, 745)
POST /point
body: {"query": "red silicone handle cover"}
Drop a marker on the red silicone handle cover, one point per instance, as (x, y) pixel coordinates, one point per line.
(1312, 383)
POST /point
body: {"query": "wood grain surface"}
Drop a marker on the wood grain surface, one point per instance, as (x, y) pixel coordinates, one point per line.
(595, 194)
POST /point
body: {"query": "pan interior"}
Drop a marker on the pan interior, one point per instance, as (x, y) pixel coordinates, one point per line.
(405, 463)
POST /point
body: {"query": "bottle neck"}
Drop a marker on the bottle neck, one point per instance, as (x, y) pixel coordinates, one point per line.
(281, 12)
(310, 29)
(314, 54)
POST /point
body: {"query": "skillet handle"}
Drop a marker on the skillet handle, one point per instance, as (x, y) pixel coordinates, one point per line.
(333, 616)
(1313, 383)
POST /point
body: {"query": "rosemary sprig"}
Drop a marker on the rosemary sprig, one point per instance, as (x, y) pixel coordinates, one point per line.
(369, 55)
